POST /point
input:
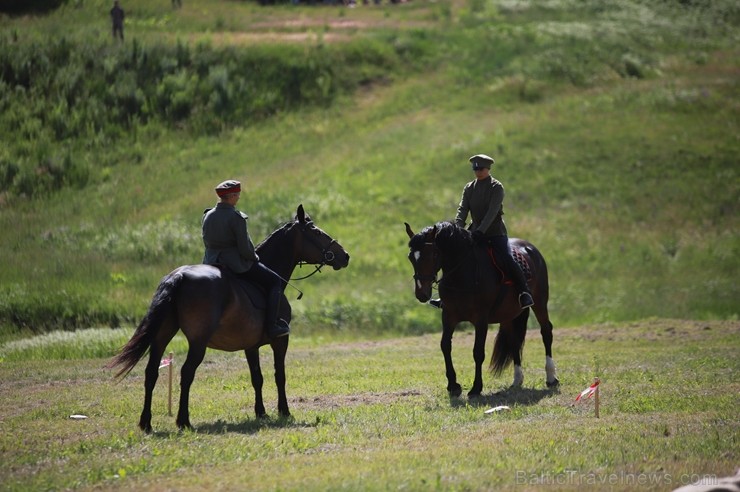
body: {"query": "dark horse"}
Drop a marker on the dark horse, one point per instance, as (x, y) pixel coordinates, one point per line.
(213, 310)
(473, 289)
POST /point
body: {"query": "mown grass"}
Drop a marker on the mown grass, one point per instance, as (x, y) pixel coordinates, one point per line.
(375, 415)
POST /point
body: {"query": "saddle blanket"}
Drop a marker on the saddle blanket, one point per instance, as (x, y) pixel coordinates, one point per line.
(519, 258)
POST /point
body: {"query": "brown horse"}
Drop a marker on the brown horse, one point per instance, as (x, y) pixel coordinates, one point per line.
(213, 310)
(473, 289)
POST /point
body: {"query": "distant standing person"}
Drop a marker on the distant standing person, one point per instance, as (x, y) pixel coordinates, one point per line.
(117, 15)
(176, 4)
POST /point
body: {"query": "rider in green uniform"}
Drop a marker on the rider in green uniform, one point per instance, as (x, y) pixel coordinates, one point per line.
(483, 199)
(228, 244)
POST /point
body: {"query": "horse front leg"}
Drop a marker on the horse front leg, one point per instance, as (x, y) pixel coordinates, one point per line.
(255, 373)
(479, 355)
(448, 328)
(279, 349)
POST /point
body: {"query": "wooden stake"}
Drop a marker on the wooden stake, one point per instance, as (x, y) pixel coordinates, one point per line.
(169, 393)
(596, 397)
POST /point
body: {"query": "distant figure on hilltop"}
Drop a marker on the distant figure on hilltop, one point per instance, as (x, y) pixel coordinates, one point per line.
(176, 4)
(117, 15)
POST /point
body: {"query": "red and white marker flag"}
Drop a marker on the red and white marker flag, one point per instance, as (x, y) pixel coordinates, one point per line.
(165, 362)
(588, 392)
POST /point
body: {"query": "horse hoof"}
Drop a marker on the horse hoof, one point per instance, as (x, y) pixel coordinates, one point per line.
(553, 384)
(455, 390)
(473, 394)
(147, 428)
(184, 426)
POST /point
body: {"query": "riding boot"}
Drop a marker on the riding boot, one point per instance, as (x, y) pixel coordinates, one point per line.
(520, 282)
(275, 328)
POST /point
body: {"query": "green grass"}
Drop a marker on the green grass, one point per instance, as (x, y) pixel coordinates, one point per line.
(375, 415)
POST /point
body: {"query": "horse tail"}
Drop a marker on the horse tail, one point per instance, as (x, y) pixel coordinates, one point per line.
(161, 307)
(509, 343)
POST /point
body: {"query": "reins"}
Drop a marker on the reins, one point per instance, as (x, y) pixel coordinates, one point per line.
(317, 270)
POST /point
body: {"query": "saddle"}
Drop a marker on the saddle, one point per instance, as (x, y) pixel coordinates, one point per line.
(255, 292)
(520, 260)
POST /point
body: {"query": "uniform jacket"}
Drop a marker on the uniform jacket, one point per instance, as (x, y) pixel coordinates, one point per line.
(226, 238)
(484, 200)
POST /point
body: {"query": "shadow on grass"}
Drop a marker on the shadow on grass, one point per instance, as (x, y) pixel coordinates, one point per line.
(508, 397)
(250, 426)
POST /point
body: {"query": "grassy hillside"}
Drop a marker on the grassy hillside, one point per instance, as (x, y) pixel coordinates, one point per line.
(614, 128)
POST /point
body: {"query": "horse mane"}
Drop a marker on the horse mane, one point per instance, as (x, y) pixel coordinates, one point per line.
(417, 242)
(280, 230)
(451, 238)
(277, 231)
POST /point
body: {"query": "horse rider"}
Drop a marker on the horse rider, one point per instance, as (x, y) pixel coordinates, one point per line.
(483, 198)
(228, 244)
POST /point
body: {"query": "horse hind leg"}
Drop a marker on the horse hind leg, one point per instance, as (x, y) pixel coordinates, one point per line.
(196, 353)
(150, 381)
(519, 335)
(151, 374)
(546, 332)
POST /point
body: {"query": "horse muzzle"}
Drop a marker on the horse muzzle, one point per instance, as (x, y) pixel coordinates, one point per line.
(337, 260)
(423, 287)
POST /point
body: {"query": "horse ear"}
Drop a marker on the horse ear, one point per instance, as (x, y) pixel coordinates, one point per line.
(408, 230)
(300, 214)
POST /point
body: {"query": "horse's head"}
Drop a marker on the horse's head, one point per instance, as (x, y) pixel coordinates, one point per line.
(426, 260)
(314, 246)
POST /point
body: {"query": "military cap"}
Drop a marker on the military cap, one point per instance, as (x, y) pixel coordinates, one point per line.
(480, 161)
(228, 187)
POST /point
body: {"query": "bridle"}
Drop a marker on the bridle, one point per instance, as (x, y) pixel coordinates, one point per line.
(326, 253)
(432, 278)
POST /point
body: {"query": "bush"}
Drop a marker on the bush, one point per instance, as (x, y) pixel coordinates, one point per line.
(57, 90)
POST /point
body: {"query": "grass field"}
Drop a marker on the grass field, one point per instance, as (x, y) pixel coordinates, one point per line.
(375, 415)
(616, 131)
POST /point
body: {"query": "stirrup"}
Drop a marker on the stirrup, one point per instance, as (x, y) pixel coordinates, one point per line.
(436, 303)
(280, 329)
(525, 300)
